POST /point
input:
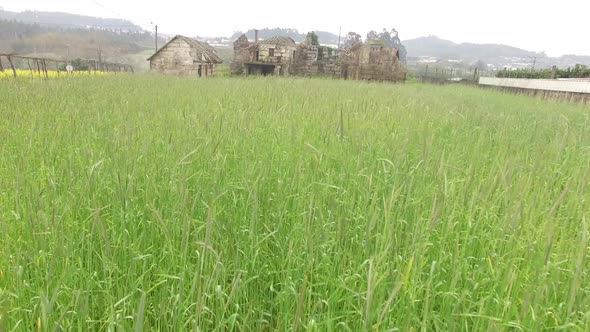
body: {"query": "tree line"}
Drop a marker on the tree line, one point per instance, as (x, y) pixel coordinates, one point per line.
(578, 71)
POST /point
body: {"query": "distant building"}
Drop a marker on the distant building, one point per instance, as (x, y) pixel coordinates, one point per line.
(372, 61)
(271, 56)
(185, 56)
(280, 56)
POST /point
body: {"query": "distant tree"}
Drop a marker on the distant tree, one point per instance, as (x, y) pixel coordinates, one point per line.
(480, 65)
(390, 39)
(312, 39)
(372, 35)
(351, 39)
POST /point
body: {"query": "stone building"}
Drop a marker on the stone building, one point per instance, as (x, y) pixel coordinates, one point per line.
(316, 60)
(185, 56)
(271, 56)
(280, 56)
(372, 61)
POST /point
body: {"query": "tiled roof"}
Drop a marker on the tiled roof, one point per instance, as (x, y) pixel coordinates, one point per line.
(209, 53)
(279, 40)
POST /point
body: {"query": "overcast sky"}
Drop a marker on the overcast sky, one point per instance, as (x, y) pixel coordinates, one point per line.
(556, 27)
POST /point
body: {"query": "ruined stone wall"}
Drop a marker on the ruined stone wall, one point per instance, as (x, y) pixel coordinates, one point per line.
(330, 65)
(374, 64)
(312, 60)
(305, 61)
(362, 62)
(241, 56)
(178, 58)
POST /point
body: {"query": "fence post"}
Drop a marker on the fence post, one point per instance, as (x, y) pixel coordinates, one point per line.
(12, 66)
(45, 69)
(30, 68)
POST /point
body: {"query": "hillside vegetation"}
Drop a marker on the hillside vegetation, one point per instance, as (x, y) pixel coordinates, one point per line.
(63, 42)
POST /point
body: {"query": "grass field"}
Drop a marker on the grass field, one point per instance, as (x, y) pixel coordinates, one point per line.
(154, 203)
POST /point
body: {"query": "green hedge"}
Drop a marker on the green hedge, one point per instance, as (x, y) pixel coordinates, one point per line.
(579, 71)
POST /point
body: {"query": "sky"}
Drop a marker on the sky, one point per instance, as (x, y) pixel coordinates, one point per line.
(554, 27)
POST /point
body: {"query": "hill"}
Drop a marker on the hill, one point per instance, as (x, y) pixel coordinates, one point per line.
(433, 46)
(69, 21)
(448, 53)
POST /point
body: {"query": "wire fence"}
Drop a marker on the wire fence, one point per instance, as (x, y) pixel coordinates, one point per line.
(14, 65)
(445, 75)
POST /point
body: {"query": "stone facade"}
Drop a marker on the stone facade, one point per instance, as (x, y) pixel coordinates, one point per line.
(272, 56)
(185, 56)
(314, 60)
(280, 56)
(373, 62)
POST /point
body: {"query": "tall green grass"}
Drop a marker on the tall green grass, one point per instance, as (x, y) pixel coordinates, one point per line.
(154, 203)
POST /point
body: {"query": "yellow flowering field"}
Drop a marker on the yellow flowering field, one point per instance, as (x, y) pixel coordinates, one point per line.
(7, 73)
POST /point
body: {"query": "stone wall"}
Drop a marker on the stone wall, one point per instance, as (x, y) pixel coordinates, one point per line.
(178, 58)
(362, 62)
(237, 66)
(312, 60)
(374, 63)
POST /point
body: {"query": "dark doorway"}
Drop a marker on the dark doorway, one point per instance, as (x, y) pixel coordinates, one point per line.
(265, 70)
(257, 56)
(268, 70)
(200, 71)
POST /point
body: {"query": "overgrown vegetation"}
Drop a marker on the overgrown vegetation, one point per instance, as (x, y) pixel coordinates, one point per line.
(160, 203)
(61, 43)
(579, 71)
(312, 39)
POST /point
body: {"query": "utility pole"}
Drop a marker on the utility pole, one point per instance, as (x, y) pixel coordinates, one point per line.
(339, 33)
(535, 60)
(156, 26)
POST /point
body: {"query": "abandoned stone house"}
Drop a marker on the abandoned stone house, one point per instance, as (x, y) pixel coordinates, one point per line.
(280, 56)
(271, 56)
(185, 56)
(370, 61)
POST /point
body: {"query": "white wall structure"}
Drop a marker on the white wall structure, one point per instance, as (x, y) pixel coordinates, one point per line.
(574, 86)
